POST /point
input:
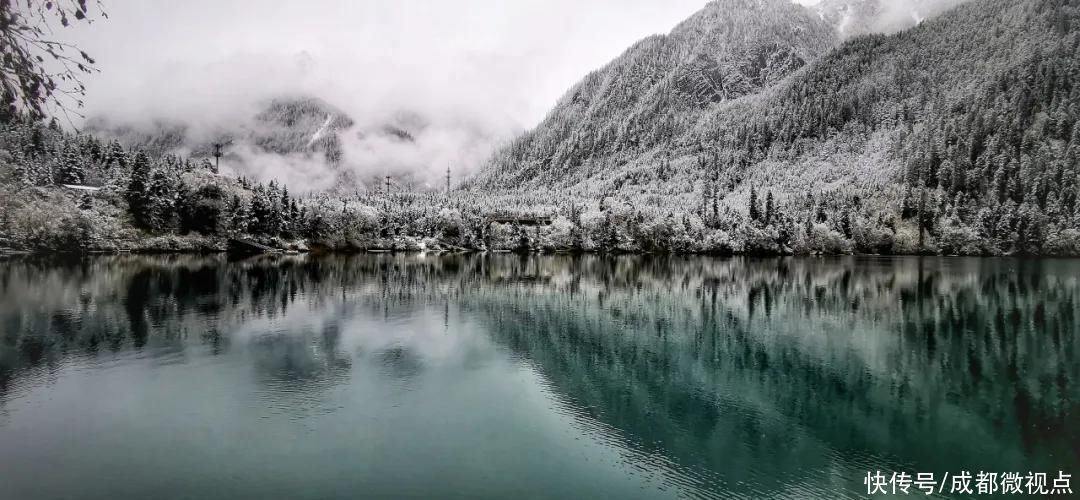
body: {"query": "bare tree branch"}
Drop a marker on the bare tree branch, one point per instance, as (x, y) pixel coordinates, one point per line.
(39, 75)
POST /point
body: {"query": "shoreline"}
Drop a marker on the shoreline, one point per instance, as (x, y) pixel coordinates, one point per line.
(8, 254)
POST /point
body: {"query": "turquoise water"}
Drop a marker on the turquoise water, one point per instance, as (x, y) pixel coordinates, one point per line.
(409, 376)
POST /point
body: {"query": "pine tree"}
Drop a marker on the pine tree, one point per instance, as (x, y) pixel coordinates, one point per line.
(609, 236)
(906, 209)
(705, 197)
(71, 169)
(770, 209)
(261, 212)
(845, 222)
(296, 218)
(285, 217)
(115, 155)
(162, 201)
(92, 150)
(999, 186)
(138, 191)
(37, 142)
(921, 215)
(24, 171)
(714, 220)
(754, 212)
(238, 215)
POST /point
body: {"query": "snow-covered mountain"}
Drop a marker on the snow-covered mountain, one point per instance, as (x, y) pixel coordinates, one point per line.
(729, 50)
(764, 92)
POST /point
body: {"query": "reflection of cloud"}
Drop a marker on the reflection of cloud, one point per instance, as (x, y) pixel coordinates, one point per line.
(400, 363)
(296, 370)
(298, 361)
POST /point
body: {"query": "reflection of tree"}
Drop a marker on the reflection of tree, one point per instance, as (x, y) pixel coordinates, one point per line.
(135, 302)
(739, 362)
(51, 308)
(721, 361)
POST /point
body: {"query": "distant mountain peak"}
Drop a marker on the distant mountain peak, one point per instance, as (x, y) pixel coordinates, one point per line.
(729, 50)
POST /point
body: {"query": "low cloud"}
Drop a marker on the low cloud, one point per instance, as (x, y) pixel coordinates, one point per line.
(300, 171)
(896, 15)
(475, 72)
(856, 17)
(471, 73)
(453, 126)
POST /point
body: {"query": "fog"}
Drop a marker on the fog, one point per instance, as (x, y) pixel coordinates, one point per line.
(855, 17)
(473, 72)
(895, 15)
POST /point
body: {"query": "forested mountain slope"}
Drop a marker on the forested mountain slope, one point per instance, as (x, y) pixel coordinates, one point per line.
(958, 135)
(652, 94)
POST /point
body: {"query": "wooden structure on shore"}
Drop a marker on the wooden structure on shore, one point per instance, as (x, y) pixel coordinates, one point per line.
(244, 246)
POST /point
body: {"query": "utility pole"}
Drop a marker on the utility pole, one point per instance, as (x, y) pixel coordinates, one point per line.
(217, 157)
(386, 199)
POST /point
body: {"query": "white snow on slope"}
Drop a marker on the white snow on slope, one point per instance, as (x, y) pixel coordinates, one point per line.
(322, 130)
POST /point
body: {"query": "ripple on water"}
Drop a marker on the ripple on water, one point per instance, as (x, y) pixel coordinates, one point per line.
(645, 460)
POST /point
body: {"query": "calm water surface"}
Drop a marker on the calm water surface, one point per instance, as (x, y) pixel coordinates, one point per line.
(548, 377)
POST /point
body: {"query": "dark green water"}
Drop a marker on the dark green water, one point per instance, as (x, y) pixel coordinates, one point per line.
(509, 377)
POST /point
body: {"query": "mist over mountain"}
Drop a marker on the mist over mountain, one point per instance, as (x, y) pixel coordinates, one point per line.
(719, 54)
(860, 17)
(312, 145)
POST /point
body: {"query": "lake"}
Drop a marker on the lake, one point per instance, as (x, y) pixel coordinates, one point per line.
(504, 376)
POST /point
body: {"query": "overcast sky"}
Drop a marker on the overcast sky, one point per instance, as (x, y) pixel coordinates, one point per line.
(495, 66)
(514, 57)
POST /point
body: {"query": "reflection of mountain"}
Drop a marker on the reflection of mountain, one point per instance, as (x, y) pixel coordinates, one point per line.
(736, 369)
(840, 359)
